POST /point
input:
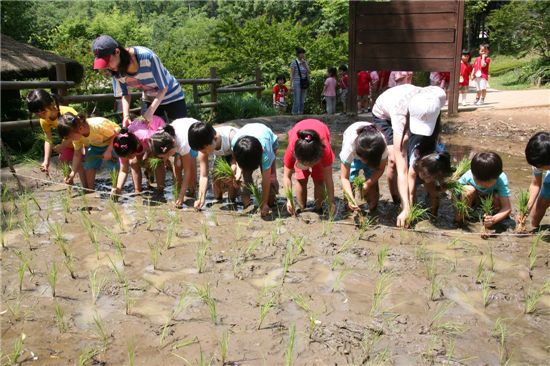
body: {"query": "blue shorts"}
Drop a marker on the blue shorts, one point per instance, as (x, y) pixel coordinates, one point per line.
(94, 158)
(356, 166)
(192, 152)
(545, 190)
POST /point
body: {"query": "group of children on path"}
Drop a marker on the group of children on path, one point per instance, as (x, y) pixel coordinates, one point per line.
(402, 140)
(372, 83)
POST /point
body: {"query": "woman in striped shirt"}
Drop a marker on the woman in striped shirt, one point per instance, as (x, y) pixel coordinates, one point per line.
(140, 68)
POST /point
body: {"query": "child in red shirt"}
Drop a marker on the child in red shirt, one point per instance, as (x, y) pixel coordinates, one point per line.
(343, 85)
(280, 92)
(465, 71)
(481, 73)
(363, 91)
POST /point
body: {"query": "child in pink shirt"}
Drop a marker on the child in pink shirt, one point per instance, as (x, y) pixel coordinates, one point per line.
(480, 73)
(329, 90)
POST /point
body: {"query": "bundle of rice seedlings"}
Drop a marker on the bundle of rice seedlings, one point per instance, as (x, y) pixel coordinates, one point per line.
(289, 194)
(462, 167)
(416, 213)
(222, 170)
(486, 204)
(523, 211)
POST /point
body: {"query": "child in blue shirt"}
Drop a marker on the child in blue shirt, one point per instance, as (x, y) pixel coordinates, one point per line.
(537, 154)
(255, 145)
(486, 178)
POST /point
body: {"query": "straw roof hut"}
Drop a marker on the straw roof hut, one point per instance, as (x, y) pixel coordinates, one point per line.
(22, 61)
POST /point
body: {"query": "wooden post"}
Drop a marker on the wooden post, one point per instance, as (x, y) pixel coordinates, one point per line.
(352, 72)
(213, 88)
(258, 82)
(196, 99)
(61, 75)
(455, 72)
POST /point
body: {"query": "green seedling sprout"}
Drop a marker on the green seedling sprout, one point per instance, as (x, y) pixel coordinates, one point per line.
(204, 294)
(174, 220)
(435, 288)
(201, 254)
(128, 302)
(69, 264)
(65, 169)
(13, 357)
(23, 258)
(462, 167)
(289, 194)
(89, 226)
(154, 163)
(446, 327)
(21, 274)
(120, 276)
(101, 330)
(486, 292)
(155, 254)
(523, 211)
(337, 284)
(500, 332)
(327, 227)
(113, 174)
(60, 318)
(480, 269)
(357, 184)
(349, 198)
(381, 258)
(290, 347)
(87, 355)
(224, 346)
(182, 303)
(52, 278)
(486, 204)
(381, 290)
(131, 352)
(533, 297)
(96, 285)
(366, 224)
(117, 242)
(222, 171)
(66, 205)
(268, 300)
(491, 259)
(113, 207)
(256, 193)
(533, 249)
(252, 246)
(416, 213)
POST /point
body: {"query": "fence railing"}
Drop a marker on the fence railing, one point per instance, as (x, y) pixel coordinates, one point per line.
(61, 86)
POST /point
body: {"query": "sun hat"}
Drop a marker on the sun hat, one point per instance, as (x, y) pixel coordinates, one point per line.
(424, 108)
(103, 47)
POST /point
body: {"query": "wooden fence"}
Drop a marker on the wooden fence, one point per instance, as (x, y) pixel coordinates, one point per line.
(62, 86)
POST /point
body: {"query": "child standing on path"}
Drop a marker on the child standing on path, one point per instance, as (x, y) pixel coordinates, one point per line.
(465, 72)
(280, 91)
(343, 84)
(363, 91)
(481, 73)
(329, 90)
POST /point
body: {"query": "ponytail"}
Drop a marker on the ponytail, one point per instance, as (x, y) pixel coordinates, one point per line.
(163, 140)
(125, 143)
(308, 147)
(370, 145)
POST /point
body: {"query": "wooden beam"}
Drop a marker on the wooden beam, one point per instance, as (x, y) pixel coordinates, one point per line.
(352, 66)
(396, 63)
(404, 7)
(406, 50)
(18, 85)
(396, 36)
(455, 72)
(412, 22)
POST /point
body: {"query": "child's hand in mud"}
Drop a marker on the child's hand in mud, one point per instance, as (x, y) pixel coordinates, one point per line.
(45, 167)
(265, 210)
(70, 178)
(352, 206)
(402, 219)
(179, 202)
(199, 204)
(488, 221)
(115, 192)
(290, 208)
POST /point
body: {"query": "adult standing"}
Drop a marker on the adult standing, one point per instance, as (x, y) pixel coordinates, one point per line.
(299, 74)
(138, 67)
(398, 112)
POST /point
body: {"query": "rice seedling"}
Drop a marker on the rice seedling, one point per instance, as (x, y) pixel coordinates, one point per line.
(184, 343)
(200, 256)
(117, 242)
(533, 249)
(96, 285)
(149, 219)
(256, 193)
(252, 246)
(113, 174)
(60, 318)
(222, 171)
(381, 258)
(381, 290)
(13, 357)
(357, 184)
(336, 262)
(533, 297)
(480, 270)
(68, 261)
(486, 204)
(370, 339)
(128, 301)
(182, 303)
(27, 230)
(89, 226)
(86, 355)
(289, 194)
(328, 224)
(421, 253)
(445, 327)
(115, 211)
(287, 261)
(290, 346)
(462, 167)
(416, 213)
(52, 277)
(101, 330)
(435, 288)
(500, 332)
(155, 253)
(120, 276)
(491, 259)
(268, 300)
(486, 292)
(173, 221)
(154, 163)
(21, 274)
(523, 211)
(204, 294)
(65, 169)
(224, 346)
(66, 205)
(367, 223)
(349, 198)
(7, 220)
(131, 352)
(337, 284)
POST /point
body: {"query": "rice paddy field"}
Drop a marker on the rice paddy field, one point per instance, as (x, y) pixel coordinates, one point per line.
(89, 281)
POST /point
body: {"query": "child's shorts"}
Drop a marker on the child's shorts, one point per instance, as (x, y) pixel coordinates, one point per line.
(481, 83)
(316, 173)
(94, 158)
(67, 154)
(343, 95)
(545, 190)
(356, 166)
(386, 128)
(463, 88)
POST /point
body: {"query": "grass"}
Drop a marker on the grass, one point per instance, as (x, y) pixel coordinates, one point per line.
(89, 226)
(381, 258)
(289, 194)
(52, 278)
(500, 332)
(256, 193)
(533, 251)
(200, 256)
(96, 285)
(13, 357)
(222, 170)
(204, 294)
(290, 346)
(60, 318)
(381, 290)
(224, 346)
(128, 302)
(131, 352)
(416, 213)
(523, 210)
(533, 297)
(155, 253)
(113, 207)
(268, 300)
(100, 330)
(66, 205)
(486, 292)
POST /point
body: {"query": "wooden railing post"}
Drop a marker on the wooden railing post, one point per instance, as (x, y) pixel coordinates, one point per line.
(196, 98)
(258, 82)
(213, 88)
(61, 75)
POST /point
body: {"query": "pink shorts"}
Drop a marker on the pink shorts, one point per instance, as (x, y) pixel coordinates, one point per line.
(316, 173)
(66, 154)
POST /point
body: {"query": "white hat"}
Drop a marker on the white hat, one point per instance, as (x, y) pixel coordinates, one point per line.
(424, 108)
(436, 91)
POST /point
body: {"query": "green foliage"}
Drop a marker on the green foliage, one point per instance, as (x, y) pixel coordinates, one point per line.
(241, 106)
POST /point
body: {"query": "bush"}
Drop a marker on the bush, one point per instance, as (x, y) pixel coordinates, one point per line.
(234, 106)
(536, 72)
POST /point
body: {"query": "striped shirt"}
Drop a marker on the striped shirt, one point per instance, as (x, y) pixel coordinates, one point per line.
(151, 77)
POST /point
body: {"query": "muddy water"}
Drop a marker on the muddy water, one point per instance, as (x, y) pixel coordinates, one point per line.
(408, 324)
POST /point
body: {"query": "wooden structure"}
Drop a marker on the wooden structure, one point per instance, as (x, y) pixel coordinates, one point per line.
(405, 35)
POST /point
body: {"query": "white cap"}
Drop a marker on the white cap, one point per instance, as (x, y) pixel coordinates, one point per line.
(424, 108)
(436, 91)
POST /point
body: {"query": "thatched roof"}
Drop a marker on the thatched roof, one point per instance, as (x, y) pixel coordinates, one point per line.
(23, 61)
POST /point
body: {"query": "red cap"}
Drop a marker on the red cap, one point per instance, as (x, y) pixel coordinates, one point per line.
(101, 62)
